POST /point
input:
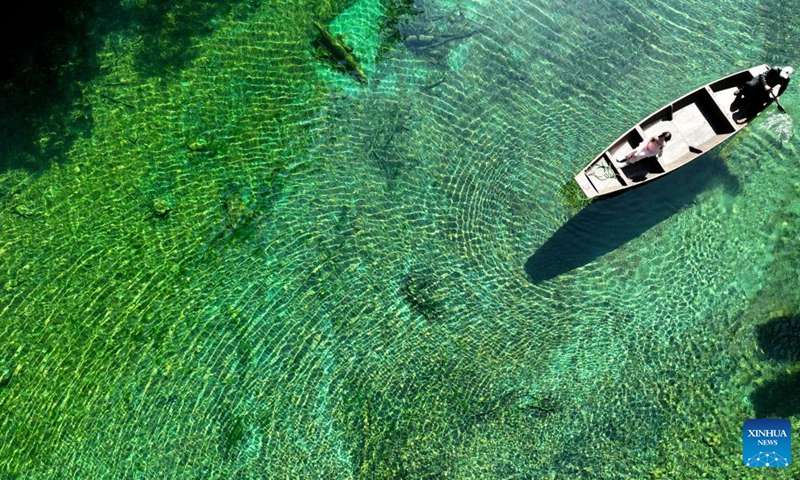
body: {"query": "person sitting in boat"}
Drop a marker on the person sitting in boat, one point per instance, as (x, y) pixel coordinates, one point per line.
(651, 148)
(758, 91)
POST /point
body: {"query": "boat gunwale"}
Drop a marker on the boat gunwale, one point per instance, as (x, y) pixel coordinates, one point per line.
(583, 177)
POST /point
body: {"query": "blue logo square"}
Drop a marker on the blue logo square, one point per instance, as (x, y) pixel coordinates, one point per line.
(767, 442)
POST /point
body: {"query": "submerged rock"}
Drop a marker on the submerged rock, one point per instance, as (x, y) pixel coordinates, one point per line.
(24, 211)
(237, 211)
(425, 294)
(161, 207)
(340, 52)
(6, 373)
(198, 146)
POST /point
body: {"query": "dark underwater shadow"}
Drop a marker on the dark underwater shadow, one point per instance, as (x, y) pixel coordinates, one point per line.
(607, 224)
(50, 50)
(779, 339)
(169, 31)
(778, 398)
(46, 53)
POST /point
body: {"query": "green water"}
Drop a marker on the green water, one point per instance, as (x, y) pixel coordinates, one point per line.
(250, 266)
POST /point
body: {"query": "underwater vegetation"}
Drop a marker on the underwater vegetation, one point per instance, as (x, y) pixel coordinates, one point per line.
(422, 291)
(782, 41)
(779, 338)
(397, 13)
(573, 196)
(167, 30)
(51, 52)
(47, 50)
(243, 272)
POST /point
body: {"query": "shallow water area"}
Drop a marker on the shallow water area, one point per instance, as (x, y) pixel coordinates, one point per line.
(252, 266)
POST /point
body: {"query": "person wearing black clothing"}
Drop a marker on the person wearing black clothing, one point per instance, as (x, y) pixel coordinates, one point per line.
(758, 91)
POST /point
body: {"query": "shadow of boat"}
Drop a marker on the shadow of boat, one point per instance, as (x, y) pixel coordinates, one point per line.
(607, 224)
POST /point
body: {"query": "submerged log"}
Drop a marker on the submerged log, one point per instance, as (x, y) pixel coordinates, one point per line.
(340, 52)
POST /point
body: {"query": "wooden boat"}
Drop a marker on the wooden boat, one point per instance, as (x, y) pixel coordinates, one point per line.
(698, 121)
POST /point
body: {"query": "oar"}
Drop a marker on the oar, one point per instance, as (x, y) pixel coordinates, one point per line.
(780, 107)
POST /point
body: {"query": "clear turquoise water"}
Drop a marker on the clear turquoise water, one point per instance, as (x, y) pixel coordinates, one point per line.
(339, 289)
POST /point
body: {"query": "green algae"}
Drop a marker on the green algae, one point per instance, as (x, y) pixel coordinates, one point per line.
(101, 206)
(289, 316)
(573, 196)
(168, 31)
(234, 435)
(397, 13)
